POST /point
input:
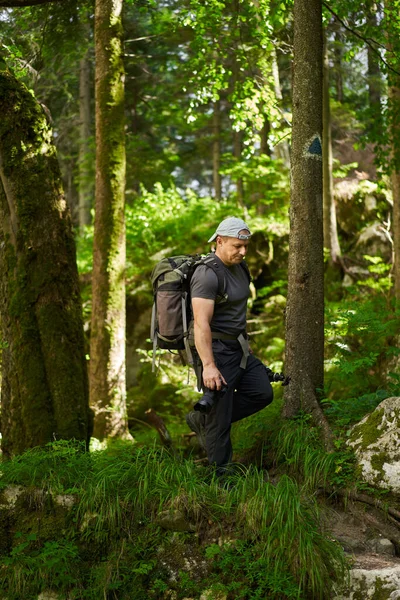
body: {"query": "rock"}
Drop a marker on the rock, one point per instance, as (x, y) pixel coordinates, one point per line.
(376, 442)
(213, 595)
(354, 274)
(49, 595)
(395, 595)
(372, 584)
(174, 520)
(374, 241)
(10, 495)
(382, 546)
(350, 544)
(65, 500)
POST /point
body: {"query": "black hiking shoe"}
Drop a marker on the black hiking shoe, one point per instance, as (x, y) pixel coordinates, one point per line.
(195, 421)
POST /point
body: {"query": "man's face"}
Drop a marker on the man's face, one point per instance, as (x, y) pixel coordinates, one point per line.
(232, 250)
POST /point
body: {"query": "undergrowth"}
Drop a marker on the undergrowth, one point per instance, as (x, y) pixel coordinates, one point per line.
(255, 539)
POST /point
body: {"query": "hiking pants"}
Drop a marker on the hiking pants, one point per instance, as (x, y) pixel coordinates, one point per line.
(249, 390)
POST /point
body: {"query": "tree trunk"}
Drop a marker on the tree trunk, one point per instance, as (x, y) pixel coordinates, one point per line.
(305, 302)
(217, 150)
(374, 73)
(282, 148)
(391, 17)
(44, 393)
(237, 153)
(107, 347)
(395, 181)
(85, 186)
(337, 59)
(331, 240)
(264, 137)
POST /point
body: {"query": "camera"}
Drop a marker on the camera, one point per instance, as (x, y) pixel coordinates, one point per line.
(274, 377)
(206, 402)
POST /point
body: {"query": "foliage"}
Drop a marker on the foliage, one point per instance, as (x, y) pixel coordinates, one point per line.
(113, 541)
(361, 336)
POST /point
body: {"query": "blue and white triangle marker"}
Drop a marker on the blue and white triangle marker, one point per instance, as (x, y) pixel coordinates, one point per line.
(313, 148)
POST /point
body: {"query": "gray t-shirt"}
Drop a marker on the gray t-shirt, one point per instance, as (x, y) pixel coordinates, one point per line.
(230, 316)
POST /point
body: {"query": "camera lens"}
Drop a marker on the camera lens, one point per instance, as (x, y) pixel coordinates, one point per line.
(206, 402)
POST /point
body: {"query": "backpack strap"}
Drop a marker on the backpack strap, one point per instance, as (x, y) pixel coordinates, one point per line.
(245, 268)
(213, 264)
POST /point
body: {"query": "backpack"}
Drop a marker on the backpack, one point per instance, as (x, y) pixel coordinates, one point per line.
(172, 314)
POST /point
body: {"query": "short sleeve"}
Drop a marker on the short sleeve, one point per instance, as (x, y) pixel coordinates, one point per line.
(204, 283)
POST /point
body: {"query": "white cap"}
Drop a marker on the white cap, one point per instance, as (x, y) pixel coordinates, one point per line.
(231, 227)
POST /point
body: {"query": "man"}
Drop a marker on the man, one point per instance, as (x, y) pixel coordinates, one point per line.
(239, 379)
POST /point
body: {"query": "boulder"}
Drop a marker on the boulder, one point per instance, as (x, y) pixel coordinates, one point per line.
(381, 582)
(376, 442)
(374, 240)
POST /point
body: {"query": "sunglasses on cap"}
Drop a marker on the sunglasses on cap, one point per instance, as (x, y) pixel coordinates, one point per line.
(243, 236)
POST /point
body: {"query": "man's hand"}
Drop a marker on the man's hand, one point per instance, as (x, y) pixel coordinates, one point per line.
(213, 378)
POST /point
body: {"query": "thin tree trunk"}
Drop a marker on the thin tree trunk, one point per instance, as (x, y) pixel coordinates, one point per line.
(217, 150)
(237, 153)
(85, 186)
(107, 346)
(331, 239)
(281, 149)
(391, 14)
(265, 131)
(44, 394)
(337, 59)
(374, 73)
(395, 181)
(305, 302)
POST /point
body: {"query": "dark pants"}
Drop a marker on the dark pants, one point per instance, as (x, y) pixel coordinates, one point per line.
(249, 391)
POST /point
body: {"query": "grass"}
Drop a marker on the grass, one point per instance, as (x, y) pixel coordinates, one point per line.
(276, 539)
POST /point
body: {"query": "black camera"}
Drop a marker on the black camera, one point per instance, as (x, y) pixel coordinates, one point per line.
(275, 377)
(206, 402)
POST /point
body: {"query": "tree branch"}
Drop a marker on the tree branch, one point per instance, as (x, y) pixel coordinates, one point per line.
(361, 37)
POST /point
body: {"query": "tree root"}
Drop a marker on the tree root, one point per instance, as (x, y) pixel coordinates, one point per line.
(156, 421)
(391, 513)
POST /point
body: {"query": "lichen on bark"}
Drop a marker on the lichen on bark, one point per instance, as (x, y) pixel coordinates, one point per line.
(107, 346)
(44, 393)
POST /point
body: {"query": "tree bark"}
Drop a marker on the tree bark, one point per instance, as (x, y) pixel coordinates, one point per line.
(85, 187)
(374, 73)
(44, 394)
(305, 302)
(337, 58)
(107, 346)
(282, 149)
(391, 15)
(237, 153)
(331, 239)
(217, 150)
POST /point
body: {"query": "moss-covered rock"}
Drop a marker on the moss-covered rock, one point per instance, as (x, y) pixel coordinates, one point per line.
(372, 584)
(376, 442)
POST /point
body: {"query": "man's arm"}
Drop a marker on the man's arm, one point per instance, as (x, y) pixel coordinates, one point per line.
(203, 310)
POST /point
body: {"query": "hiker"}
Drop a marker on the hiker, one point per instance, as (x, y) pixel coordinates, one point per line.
(235, 379)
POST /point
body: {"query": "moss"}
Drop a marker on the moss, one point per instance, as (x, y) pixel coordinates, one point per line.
(377, 462)
(368, 431)
(381, 591)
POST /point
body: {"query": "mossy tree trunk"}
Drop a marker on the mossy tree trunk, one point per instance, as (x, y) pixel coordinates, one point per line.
(107, 347)
(217, 183)
(331, 238)
(391, 17)
(85, 183)
(305, 302)
(44, 393)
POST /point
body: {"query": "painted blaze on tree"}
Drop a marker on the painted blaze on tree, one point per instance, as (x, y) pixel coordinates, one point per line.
(44, 394)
